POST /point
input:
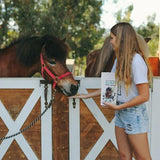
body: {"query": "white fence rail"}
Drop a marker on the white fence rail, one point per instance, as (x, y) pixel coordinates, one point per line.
(108, 128)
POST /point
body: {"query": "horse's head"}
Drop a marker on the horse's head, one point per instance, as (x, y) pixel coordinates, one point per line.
(52, 53)
(53, 65)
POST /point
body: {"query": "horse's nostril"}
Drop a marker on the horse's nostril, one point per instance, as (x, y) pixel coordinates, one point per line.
(74, 88)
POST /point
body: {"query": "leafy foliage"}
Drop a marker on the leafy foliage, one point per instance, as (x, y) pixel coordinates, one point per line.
(124, 16)
(150, 30)
(75, 20)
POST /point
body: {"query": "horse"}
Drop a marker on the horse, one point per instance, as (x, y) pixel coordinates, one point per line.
(47, 54)
(96, 59)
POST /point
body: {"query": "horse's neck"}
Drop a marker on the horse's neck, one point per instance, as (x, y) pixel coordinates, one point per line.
(27, 71)
(10, 67)
(110, 63)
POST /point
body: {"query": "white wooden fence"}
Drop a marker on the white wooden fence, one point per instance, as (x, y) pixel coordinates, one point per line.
(15, 126)
(74, 120)
(153, 107)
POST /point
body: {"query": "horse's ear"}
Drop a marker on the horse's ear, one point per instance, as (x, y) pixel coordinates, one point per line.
(147, 39)
(64, 39)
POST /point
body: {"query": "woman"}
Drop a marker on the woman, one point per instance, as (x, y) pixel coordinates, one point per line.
(133, 75)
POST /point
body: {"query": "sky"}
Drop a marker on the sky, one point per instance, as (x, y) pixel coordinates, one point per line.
(141, 10)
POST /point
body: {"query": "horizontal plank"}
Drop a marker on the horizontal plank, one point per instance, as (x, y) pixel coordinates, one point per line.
(23, 83)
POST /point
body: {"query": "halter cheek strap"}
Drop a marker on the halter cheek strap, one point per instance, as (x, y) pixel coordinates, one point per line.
(55, 78)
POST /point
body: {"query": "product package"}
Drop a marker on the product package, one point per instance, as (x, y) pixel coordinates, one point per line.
(108, 88)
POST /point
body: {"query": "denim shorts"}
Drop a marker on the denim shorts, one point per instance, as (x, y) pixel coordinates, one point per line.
(134, 120)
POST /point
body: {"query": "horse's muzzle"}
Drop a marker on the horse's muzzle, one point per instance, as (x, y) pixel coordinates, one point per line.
(74, 89)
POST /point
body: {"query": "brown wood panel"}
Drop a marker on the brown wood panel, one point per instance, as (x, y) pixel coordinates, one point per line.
(109, 152)
(90, 130)
(33, 134)
(3, 129)
(14, 153)
(14, 100)
(60, 126)
(109, 114)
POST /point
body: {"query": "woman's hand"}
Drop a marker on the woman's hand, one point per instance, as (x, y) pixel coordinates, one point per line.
(89, 95)
(83, 96)
(112, 106)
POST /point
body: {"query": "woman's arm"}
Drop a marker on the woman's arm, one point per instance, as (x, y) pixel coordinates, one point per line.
(143, 96)
(89, 95)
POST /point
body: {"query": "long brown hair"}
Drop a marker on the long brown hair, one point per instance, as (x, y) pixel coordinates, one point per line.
(127, 45)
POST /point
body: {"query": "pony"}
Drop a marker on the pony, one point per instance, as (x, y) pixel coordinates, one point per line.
(47, 55)
(102, 60)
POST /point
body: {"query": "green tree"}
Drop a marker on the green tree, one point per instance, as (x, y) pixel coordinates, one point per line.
(27, 15)
(146, 30)
(75, 20)
(124, 16)
(5, 19)
(150, 30)
(79, 23)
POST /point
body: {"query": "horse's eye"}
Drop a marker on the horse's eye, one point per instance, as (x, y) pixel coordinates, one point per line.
(52, 62)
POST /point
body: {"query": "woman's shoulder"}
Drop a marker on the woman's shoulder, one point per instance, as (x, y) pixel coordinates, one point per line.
(137, 58)
(138, 61)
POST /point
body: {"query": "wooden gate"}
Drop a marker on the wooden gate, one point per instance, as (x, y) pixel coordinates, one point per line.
(91, 126)
(21, 101)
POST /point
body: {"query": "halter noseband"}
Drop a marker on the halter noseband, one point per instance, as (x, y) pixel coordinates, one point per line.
(55, 78)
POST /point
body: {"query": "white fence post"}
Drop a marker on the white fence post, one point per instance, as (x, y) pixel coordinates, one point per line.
(74, 130)
(155, 120)
(46, 127)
